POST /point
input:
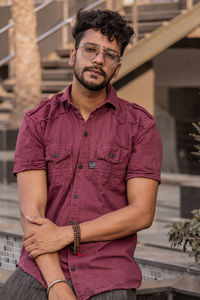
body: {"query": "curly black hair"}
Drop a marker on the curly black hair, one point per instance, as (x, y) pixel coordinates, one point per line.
(110, 24)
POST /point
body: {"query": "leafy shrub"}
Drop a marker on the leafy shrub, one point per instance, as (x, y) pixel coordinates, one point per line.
(187, 234)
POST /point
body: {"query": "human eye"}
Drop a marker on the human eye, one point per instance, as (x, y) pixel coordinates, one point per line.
(90, 49)
(110, 55)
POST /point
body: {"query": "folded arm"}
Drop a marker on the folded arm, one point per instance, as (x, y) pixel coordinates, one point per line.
(137, 215)
(32, 189)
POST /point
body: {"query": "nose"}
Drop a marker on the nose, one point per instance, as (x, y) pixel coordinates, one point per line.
(99, 58)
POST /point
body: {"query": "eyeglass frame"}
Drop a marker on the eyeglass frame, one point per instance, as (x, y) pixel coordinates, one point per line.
(101, 51)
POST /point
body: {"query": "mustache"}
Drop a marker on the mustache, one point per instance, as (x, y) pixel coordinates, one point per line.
(96, 68)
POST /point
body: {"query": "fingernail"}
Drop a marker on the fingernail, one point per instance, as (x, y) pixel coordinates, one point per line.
(28, 217)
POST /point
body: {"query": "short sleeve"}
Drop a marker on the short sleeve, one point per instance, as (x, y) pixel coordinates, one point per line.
(29, 152)
(146, 156)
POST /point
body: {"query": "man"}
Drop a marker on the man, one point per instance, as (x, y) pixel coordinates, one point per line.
(88, 168)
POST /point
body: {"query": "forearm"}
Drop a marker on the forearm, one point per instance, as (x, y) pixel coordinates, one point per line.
(32, 202)
(111, 226)
(141, 195)
(49, 264)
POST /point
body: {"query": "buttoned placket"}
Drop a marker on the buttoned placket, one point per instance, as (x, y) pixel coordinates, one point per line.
(73, 260)
(82, 165)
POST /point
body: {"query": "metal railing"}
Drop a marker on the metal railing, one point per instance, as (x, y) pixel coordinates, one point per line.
(66, 22)
(109, 4)
(50, 31)
(9, 26)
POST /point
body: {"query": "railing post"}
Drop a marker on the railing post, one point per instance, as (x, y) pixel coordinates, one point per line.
(135, 18)
(11, 49)
(65, 29)
(118, 5)
(110, 4)
(189, 4)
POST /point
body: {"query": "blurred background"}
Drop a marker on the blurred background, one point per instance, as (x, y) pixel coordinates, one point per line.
(160, 71)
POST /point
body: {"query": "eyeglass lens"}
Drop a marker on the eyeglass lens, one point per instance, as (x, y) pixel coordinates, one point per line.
(90, 51)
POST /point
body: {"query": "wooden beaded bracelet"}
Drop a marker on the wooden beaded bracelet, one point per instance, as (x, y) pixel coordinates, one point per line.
(77, 238)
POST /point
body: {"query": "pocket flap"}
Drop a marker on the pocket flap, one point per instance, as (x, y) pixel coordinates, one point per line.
(111, 154)
(58, 152)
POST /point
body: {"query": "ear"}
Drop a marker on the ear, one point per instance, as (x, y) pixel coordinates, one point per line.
(72, 57)
(117, 70)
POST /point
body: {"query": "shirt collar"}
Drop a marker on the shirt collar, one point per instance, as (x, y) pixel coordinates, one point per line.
(111, 97)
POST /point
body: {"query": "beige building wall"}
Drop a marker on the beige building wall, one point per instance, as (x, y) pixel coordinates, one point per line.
(140, 91)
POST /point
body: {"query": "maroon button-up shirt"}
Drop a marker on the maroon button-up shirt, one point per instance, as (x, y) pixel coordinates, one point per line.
(88, 164)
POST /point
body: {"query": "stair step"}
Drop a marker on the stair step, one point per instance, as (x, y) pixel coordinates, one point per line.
(145, 27)
(4, 120)
(10, 96)
(57, 74)
(55, 64)
(154, 16)
(63, 52)
(5, 106)
(9, 209)
(157, 16)
(47, 86)
(162, 7)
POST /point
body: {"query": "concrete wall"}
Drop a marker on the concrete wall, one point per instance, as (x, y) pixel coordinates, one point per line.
(140, 91)
(178, 68)
(177, 105)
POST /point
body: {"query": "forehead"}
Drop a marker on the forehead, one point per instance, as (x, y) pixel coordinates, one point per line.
(96, 37)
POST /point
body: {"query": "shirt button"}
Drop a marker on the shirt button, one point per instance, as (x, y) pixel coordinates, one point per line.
(85, 134)
(80, 166)
(73, 268)
(76, 196)
(112, 155)
(55, 155)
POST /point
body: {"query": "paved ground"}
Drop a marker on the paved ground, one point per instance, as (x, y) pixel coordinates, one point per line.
(167, 211)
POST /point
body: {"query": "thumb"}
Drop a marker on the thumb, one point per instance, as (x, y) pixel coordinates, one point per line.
(36, 220)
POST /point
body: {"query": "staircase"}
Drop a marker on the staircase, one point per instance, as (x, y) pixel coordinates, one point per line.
(56, 73)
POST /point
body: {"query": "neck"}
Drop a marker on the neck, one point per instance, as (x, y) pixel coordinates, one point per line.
(85, 100)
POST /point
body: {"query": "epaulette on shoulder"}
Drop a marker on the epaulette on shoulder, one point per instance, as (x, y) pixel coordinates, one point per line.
(44, 102)
(136, 106)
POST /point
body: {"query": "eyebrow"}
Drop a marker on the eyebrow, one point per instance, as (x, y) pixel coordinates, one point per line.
(102, 47)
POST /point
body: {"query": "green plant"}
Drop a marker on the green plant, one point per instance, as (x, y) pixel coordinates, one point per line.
(196, 136)
(187, 234)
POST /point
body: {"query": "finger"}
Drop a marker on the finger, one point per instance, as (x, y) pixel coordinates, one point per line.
(28, 235)
(27, 242)
(36, 253)
(30, 248)
(36, 220)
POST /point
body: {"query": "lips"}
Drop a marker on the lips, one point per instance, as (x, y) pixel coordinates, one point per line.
(95, 71)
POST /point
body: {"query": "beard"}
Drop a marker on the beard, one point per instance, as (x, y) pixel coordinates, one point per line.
(92, 86)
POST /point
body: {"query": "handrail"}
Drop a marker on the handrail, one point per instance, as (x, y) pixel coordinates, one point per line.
(6, 59)
(43, 5)
(65, 22)
(57, 27)
(5, 28)
(52, 30)
(38, 8)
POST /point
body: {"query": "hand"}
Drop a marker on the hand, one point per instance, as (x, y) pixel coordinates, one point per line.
(47, 237)
(61, 291)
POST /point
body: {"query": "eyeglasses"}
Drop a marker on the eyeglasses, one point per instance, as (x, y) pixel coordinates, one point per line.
(90, 51)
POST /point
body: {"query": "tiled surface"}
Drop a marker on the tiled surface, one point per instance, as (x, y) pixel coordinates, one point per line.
(10, 248)
(153, 252)
(157, 273)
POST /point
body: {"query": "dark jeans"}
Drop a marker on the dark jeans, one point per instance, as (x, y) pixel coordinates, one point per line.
(22, 286)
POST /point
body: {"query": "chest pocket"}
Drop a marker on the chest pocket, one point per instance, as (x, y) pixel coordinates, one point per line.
(59, 161)
(111, 162)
